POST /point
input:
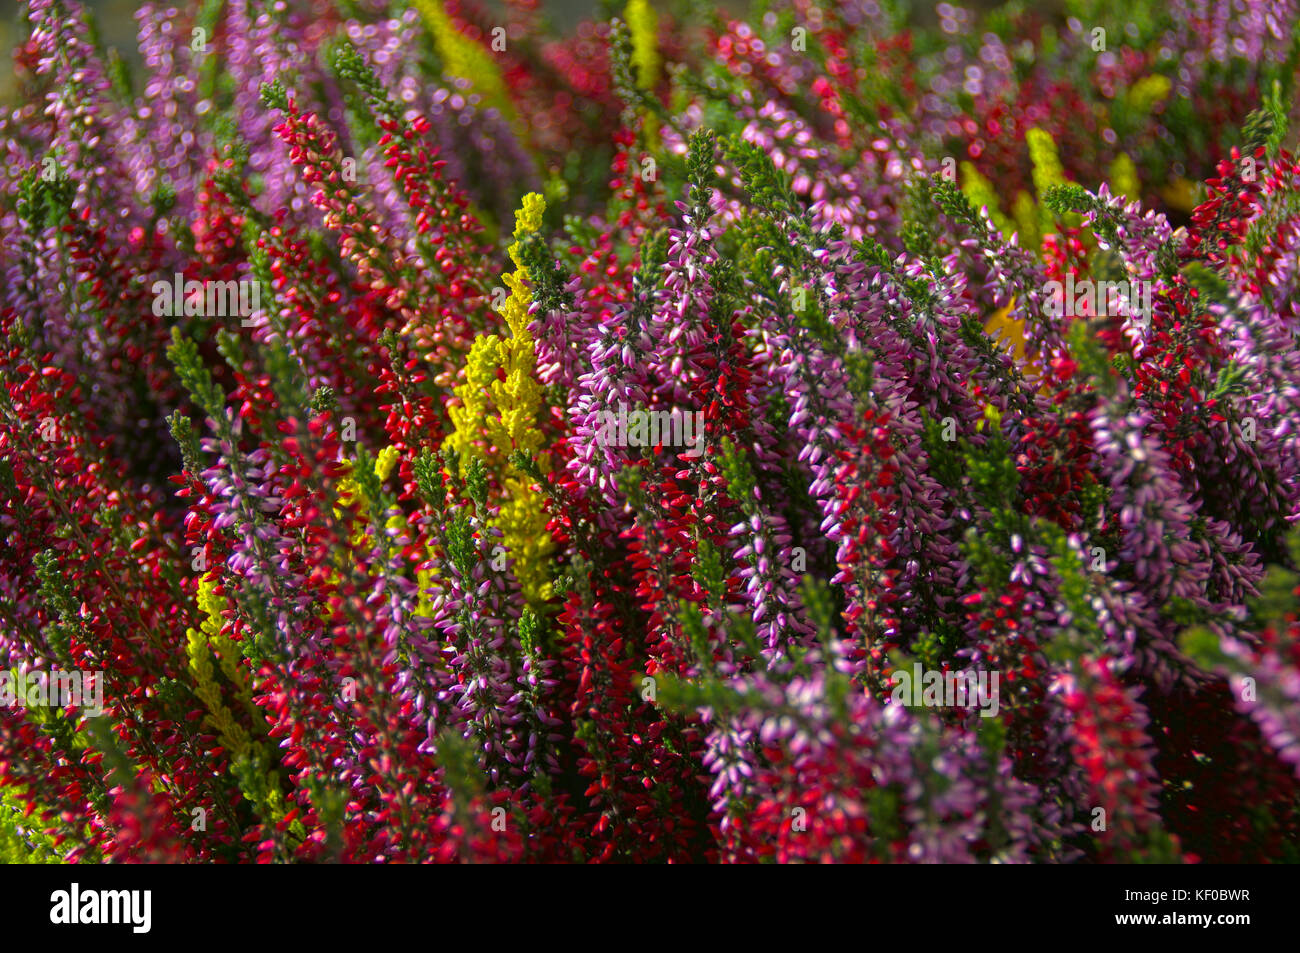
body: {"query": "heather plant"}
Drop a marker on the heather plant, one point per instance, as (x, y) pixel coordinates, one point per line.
(639, 439)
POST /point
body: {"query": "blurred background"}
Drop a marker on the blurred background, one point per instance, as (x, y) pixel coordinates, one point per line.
(117, 26)
(117, 23)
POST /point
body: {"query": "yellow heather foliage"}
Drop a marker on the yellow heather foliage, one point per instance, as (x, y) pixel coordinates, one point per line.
(1025, 213)
(1003, 327)
(424, 579)
(979, 191)
(463, 58)
(643, 24)
(523, 525)
(1148, 91)
(386, 462)
(1046, 162)
(198, 647)
(478, 433)
(1031, 219)
(518, 397)
(1182, 194)
(1123, 179)
(233, 737)
(529, 217)
(1047, 171)
(470, 417)
(350, 491)
(228, 654)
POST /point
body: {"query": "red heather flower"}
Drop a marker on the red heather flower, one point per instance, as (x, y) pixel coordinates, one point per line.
(1222, 220)
(1055, 455)
(644, 799)
(1110, 743)
(864, 487)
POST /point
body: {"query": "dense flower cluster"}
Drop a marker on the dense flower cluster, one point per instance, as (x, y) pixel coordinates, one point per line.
(446, 440)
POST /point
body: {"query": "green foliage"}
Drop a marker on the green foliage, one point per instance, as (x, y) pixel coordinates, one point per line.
(765, 185)
(708, 570)
(274, 96)
(45, 203)
(194, 375)
(1064, 198)
(461, 548)
(351, 69)
(427, 469)
(700, 171)
(22, 839)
